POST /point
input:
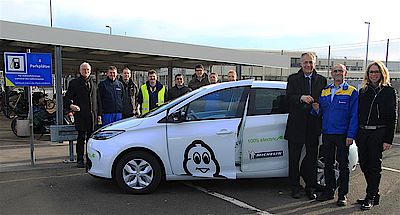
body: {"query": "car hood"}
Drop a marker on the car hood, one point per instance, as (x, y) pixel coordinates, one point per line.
(124, 124)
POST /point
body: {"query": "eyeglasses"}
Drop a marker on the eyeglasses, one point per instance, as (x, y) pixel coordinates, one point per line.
(374, 72)
(198, 70)
(179, 78)
(337, 70)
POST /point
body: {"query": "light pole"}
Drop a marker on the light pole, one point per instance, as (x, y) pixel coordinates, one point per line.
(366, 56)
(107, 26)
(51, 15)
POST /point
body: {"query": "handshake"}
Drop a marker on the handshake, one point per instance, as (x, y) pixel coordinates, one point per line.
(310, 101)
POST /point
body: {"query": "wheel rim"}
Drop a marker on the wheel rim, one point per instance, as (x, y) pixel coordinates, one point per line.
(138, 174)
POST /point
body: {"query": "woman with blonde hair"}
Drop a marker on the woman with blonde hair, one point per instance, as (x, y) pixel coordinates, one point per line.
(377, 117)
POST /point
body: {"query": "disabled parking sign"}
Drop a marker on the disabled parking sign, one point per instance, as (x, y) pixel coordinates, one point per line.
(28, 69)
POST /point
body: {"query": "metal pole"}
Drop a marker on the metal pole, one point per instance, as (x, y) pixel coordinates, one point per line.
(51, 15)
(281, 68)
(30, 119)
(366, 55)
(387, 52)
(329, 59)
(71, 151)
(58, 85)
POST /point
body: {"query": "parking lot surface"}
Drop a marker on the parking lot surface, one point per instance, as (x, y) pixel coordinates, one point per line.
(55, 187)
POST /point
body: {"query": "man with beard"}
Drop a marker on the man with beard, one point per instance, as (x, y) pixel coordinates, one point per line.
(151, 94)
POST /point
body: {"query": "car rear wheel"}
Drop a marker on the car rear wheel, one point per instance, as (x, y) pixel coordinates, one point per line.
(138, 172)
(321, 173)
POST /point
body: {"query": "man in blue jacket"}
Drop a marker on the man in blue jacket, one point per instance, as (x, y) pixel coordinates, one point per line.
(338, 105)
(111, 92)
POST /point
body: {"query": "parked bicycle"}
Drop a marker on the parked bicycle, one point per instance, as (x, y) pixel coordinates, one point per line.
(42, 119)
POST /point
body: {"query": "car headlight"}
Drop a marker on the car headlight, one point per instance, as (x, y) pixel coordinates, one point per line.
(106, 134)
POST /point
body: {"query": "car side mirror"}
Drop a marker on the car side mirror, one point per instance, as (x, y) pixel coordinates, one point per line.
(177, 116)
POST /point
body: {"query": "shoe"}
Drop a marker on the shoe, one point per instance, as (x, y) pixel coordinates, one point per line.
(295, 194)
(342, 201)
(310, 193)
(376, 200)
(80, 164)
(325, 197)
(368, 204)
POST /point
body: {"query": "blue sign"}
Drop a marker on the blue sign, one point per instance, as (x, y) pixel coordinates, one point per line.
(28, 69)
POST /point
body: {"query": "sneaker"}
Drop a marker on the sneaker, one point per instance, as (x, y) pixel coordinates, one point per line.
(342, 201)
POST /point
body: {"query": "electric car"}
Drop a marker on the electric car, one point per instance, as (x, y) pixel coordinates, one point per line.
(222, 131)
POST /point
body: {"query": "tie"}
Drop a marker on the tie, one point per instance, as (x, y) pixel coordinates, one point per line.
(308, 84)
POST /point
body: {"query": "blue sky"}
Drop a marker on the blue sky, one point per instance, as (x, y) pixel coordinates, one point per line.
(251, 24)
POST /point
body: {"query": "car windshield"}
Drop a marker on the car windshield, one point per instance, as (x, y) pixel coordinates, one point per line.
(173, 102)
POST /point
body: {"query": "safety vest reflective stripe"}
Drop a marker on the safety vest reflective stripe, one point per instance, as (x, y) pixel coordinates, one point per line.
(145, 107)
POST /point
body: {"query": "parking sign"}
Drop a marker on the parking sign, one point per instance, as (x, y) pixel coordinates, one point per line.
(28, 69)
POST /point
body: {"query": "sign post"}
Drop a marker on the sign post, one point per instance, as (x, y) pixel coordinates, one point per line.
(28, 70)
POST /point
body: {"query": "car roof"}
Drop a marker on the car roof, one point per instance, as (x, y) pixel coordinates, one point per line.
(251, 82)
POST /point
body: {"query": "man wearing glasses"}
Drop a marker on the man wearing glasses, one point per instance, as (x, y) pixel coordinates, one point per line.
(199, 79)
(179, 89)
(338, 106)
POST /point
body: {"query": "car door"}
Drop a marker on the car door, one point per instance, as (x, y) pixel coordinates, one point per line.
(264, 148)
(202, 133)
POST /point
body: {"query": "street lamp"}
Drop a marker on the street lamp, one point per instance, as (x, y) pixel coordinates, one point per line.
(51, 15)
(107, 26)
(366, 56)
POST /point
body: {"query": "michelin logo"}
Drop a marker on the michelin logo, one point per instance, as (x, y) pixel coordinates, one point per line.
(257, 155)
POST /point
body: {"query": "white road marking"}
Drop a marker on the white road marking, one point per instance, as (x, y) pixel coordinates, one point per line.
(228, 199)
(38, 178)
(390, 169)
(396, 144)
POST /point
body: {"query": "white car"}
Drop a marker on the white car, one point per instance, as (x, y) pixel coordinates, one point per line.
(222, 131)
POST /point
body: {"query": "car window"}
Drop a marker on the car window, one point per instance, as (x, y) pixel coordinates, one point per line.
(227, 103)
(266, 101)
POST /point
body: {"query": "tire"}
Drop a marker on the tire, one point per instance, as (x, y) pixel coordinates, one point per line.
(146, 180)
(321, 173)
(14, 126)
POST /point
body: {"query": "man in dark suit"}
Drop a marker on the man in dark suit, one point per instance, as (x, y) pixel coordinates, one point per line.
(81, 97)
(303, 88)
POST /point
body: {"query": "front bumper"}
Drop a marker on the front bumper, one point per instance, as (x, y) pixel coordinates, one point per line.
(101, 156)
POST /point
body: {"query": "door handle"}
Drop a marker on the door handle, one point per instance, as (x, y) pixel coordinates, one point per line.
(224, 131)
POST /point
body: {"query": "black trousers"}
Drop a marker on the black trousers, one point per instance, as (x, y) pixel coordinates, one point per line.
(334, 148)
(83, 136)
(308, 165)
(370, 147)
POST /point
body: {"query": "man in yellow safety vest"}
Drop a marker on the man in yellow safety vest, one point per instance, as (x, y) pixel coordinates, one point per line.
(151, 94)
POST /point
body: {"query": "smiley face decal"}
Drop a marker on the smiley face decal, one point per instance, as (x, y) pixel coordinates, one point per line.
(200, 160)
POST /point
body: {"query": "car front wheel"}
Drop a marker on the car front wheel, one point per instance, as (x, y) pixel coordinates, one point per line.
(138, 172)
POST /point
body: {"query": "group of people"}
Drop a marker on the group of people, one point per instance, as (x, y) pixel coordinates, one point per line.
(343, 115)
(116, 98)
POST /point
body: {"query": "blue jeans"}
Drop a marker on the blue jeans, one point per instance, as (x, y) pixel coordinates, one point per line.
(108, 118)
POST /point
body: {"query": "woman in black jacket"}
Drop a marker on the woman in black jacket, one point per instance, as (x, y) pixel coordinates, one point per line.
(377, 118)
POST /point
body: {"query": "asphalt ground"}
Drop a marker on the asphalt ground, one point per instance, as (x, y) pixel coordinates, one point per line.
(54, 187)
